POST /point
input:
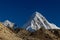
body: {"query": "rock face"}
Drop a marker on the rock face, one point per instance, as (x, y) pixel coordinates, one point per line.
(47, 34)
(25, 35)
(41, 34)
(7, 34)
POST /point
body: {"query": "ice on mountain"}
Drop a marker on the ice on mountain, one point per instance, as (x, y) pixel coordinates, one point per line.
(37, 21)
(7, 23)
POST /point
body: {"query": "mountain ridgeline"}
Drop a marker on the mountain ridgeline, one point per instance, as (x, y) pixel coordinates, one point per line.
(37, 21)
(37, 28)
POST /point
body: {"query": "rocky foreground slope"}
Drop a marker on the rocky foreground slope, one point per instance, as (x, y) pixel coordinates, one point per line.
(37, 28)
(41, 34)
(7, 34)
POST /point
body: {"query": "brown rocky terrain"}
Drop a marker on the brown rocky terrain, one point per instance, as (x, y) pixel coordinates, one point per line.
(41, 34)
(7, 34)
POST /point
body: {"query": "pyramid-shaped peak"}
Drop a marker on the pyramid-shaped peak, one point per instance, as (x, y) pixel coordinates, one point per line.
(38, 14)
(38, 21)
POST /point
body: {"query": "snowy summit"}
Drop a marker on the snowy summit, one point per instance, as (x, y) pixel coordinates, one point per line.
(7, 23)
(37, 21)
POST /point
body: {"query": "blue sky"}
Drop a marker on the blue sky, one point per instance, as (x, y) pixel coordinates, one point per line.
(20, 11)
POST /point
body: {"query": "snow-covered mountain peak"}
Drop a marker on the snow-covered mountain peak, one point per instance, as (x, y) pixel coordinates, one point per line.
(37, 21)
(38, 14)
(8, 23)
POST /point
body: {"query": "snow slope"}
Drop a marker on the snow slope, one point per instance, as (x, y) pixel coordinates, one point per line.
(37, 21)
(7, 23)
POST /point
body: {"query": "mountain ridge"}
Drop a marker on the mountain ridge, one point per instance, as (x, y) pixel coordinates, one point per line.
(42, 21)
(38, 28)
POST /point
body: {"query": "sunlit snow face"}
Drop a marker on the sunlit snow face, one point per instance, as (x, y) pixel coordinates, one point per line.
(39, 21)
(8, 24)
